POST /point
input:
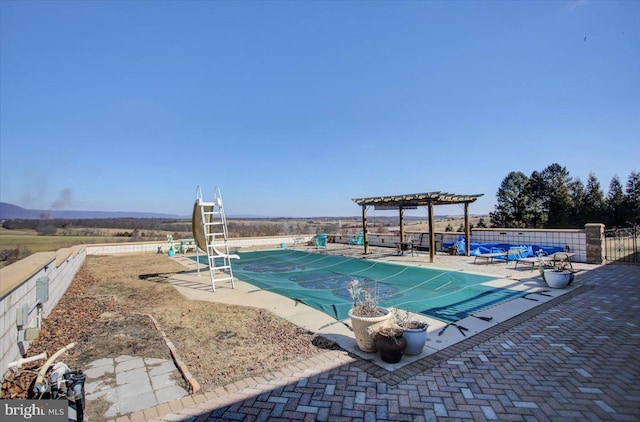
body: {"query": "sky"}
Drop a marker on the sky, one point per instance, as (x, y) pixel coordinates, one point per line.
(293, 108)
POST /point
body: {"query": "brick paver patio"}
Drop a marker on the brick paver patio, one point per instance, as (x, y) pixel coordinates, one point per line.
(576, 358)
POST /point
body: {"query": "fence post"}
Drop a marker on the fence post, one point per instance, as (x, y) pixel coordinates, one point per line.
(595, 243)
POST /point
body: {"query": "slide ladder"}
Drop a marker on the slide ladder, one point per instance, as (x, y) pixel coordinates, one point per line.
(211, 236)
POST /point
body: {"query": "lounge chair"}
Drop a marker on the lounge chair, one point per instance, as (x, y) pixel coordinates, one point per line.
(496, 253)
(550, 260)
(357, 240)
(512, 254)
(532, 260)
(515, 253)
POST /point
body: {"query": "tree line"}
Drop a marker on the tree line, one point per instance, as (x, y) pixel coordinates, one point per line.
(139, 228)
(49, 226)
(482, 224)
(551, 198)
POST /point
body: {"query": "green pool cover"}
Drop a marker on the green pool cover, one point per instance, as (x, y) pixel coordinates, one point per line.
(319, 280)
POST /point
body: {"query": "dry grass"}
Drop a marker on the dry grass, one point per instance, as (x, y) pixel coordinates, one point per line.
(219, 343)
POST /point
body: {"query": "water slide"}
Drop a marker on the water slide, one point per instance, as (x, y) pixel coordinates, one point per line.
(197, 226)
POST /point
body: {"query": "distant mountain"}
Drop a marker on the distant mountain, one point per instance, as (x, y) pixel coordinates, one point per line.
(10, 212)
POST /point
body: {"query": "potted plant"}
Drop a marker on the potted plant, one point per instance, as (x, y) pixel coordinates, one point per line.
(556, 276)
(365, 314)
(390, 342)
(415, 332)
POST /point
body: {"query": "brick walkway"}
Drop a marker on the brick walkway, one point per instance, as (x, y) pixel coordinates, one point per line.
(575, 359)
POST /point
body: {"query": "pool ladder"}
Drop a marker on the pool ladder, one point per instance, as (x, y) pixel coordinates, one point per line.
(214, 224)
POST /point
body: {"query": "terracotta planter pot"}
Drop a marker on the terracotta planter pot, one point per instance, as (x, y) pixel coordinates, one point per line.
(362, 327)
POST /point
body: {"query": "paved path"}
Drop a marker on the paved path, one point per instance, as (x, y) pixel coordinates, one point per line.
(575, 359)
(130, 384)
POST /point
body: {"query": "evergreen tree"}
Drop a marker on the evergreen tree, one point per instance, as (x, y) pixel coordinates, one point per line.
(578, 197)
(632, 199)
(537, 211)
(615, 203)
(558, 198)
(553, 199)
(511, 205)
(594, 202)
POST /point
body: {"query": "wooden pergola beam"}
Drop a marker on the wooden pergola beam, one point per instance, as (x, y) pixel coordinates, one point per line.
(414, 200)
(432, 239)
(365, 232)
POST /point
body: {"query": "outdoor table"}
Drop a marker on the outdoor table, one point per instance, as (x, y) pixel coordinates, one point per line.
(403, 246)
(560, 257)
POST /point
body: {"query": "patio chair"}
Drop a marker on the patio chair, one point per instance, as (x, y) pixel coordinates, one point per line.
(495, 253)
(515, 253)
(321, 240)
(541, 256)
(357, 240)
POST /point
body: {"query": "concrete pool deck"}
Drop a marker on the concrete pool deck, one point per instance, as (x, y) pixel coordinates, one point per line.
(573, 356)
(439, 336)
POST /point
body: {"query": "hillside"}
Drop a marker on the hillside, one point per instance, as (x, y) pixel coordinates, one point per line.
(10, 211)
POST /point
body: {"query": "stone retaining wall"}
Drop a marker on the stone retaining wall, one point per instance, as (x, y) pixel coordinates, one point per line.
(43, 276)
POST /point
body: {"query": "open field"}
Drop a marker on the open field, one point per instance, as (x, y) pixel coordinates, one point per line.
(37, 243)
(20, 243)
(16, 244)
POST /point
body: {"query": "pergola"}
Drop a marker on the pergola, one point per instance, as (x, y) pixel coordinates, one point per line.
(412, 201)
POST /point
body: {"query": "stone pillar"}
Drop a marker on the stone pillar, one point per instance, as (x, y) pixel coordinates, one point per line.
(595, 243)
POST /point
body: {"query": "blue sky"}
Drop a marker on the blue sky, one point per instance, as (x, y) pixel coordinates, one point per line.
(295, 108)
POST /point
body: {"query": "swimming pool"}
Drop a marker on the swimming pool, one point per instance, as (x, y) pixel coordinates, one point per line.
(319, 280)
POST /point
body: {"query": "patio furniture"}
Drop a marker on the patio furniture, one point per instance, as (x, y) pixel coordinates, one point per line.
(187, 244)
(490, 256)
(531, 260)
(357, 240)
(321, 240)
(552, 260)
(512, 254)
(561, 257)
(401, 247)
